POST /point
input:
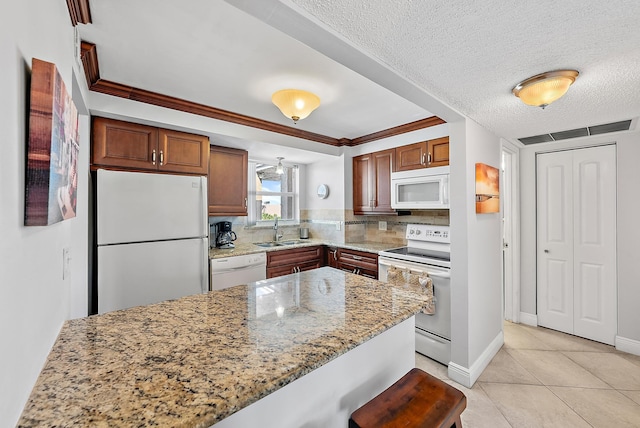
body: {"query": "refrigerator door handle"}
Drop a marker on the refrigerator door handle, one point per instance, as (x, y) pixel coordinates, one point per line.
(205, 266)
(205, 206)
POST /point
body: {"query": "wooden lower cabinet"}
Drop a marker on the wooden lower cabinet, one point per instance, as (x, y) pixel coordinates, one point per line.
(358, 262)
(284, 262)
(331, 256)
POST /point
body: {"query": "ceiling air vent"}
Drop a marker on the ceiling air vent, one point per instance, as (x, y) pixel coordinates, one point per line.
(580, 132)
(544, 138)
(610, 127)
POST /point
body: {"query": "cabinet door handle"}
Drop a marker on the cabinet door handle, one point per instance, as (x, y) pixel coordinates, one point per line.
(356, 257)
(161, 158)
(335, 256)
(422, 161)
(246, 203)
(429, 158)
(153, 157)
(355, 270)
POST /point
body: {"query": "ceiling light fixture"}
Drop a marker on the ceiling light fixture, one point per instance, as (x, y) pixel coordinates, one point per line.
(279, 167)
(543, 89)
(295, 104)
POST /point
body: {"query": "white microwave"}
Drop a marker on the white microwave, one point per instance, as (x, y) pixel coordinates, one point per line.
(423, 189)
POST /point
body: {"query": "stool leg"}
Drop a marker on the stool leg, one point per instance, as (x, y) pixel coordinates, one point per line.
(457, 423)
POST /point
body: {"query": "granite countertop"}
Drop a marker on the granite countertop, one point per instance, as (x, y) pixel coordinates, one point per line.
(250, 248)
(196, 360)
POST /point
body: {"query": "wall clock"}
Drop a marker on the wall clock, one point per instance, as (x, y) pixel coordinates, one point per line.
(323, 191)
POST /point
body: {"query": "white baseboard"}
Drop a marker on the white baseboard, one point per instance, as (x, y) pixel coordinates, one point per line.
(468, 376)
(529, 319)
(628, 345)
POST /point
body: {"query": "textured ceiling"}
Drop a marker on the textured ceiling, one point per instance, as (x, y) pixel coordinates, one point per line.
(469, 54)
(378, 63)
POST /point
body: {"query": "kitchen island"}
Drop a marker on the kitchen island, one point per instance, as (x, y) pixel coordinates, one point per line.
(299, 350)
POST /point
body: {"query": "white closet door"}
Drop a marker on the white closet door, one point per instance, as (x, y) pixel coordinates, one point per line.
(577, 280)
(555, 241)
(595, 278)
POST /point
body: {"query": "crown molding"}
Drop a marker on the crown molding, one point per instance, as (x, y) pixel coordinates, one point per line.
(89, 57)
(79, 12)
(397, 130)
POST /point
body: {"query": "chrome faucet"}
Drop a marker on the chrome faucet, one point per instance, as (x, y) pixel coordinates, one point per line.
(276, 237)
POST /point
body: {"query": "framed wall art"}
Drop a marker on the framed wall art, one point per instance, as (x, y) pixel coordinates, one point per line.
(52, 149)
(487, 189)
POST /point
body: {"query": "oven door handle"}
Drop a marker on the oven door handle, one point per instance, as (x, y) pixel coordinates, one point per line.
(430, 273)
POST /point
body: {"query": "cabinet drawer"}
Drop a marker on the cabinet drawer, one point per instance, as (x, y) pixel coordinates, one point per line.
(273, 272)
(358, 258)
(294, 256)
(350, 267)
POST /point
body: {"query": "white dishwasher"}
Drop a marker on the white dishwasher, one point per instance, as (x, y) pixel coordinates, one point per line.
(235, 270)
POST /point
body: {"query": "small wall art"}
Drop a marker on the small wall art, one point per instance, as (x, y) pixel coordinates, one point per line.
(52, 151)
(487, 189)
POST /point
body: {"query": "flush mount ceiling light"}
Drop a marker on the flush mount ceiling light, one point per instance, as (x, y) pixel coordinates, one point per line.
(279, 167)
(543, 89)
(295, 104)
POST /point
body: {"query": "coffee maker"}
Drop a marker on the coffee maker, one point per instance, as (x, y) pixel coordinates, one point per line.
(224, 235)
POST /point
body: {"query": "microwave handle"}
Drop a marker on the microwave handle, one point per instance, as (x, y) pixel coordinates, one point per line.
(445, 190)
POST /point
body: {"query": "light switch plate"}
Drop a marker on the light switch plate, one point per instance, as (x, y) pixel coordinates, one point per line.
(382, 225)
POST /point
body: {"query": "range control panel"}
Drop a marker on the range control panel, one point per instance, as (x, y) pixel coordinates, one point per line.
(428, 233)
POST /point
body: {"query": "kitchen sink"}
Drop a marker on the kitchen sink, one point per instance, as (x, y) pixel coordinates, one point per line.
(276, 244)
(268, 244)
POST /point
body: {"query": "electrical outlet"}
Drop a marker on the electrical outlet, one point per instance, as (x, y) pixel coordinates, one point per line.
(66, 261)
(382, 225)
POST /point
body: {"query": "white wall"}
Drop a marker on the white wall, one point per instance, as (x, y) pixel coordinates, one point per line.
(34, 300)
(331, 173)
(628, 231)
(476, 253)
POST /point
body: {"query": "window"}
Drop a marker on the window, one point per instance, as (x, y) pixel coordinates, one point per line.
(272, 194)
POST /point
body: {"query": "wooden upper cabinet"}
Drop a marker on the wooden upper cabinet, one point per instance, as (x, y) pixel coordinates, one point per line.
(361, 184)
(438, 152)
(228, 169)
(412, 156)
(182, 152)
(425, 154)
(372, 183)
(381, 181)
(124, 145)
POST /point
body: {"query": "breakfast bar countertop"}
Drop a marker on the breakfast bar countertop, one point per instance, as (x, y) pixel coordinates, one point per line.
(196, 360)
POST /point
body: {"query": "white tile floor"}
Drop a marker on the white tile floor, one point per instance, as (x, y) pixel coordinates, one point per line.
(544, 378)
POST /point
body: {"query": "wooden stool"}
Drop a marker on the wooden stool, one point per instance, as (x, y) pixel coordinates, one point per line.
(417, 400)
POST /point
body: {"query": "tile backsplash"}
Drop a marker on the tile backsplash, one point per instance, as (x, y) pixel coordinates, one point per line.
(339, 226)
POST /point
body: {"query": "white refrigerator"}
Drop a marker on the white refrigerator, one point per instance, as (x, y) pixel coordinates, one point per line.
(152, 238)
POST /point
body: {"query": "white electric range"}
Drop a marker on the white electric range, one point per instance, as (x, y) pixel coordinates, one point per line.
(428, 250)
